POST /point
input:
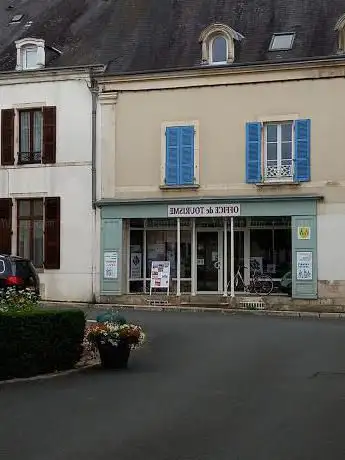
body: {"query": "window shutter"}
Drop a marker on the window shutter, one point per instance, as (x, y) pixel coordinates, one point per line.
(7, 137)
(52, 233)
(302, 150)
(172, 156)
(253, 153)
(5, 226)
(49, 135)
(187, 134)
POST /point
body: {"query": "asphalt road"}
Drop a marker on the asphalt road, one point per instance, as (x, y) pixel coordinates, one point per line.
(205, 387)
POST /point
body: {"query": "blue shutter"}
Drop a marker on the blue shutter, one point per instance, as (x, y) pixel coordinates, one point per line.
(172, 156)
(186, 155)
(302, 151)
(253, 153)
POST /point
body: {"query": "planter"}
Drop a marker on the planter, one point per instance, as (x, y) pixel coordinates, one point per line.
(113, 357)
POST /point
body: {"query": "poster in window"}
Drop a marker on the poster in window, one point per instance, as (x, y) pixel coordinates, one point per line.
(135, 265)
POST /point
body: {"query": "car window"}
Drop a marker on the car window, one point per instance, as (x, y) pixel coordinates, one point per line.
(23, 268)
(2, 267)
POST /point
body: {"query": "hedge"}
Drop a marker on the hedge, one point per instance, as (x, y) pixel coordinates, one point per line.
(40, 341)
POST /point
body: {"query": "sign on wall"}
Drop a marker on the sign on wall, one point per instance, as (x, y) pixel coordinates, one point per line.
(207, 210)
(303, 233)
(304, 266)
(110, 265)
(160, 275)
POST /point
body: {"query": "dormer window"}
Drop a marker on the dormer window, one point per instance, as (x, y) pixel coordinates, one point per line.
(30, 54)
(340, 28)
(218, 44)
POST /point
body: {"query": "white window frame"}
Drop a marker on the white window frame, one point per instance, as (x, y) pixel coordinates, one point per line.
(279, 178)
(171, 124)
(26, 44)
(210, 49)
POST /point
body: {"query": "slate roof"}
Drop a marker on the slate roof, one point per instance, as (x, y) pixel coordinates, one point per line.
(146, 35)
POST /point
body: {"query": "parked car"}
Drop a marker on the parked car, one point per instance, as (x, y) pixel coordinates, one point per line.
(286, 283)
(19, 273)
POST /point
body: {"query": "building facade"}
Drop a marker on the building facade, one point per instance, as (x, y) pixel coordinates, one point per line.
(46, 177)
(213, 169)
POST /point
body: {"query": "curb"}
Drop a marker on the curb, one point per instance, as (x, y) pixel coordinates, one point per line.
(48, 376)
(224, 311)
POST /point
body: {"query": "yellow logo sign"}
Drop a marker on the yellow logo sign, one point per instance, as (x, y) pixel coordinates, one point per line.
(304, 233)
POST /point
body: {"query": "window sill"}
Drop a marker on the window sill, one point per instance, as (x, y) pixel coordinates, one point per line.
(28, 163)
(276, 183)
(177, 187)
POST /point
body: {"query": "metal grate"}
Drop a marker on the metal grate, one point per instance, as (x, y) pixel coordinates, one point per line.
(274, 171)
(252, 303)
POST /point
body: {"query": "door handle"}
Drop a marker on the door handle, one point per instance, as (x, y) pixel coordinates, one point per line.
(216, 265)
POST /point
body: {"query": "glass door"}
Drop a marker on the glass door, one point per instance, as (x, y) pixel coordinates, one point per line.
(209, 261)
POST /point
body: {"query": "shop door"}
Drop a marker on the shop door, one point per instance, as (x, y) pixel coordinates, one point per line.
(209, 261)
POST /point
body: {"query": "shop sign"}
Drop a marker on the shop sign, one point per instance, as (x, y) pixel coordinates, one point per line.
(303, 233)
(160, 275)
(207, 210)
(304, 266)
(110, 265)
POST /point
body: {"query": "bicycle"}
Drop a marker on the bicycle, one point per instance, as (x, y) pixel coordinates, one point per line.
(259, 283)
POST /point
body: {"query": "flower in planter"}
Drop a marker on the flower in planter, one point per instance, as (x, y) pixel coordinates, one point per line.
(115, 333)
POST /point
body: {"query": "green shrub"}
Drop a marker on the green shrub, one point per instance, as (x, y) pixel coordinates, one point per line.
(39, 341)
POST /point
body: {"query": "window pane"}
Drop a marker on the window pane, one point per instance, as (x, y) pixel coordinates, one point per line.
(261, 248)
(37, 257)
(38, 208)
(219, 50)
(25, 131)
(286, 150)
(37, 131)
(271, 152)
(23, 208)
(24, 239)
(162, 245)
(271, 133)
(286, 132)
(30, 58)
(136, 255)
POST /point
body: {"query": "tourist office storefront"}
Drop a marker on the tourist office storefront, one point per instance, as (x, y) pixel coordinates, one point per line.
(206, 241)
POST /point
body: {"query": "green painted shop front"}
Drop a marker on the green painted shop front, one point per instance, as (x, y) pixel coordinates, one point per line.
(205, 241)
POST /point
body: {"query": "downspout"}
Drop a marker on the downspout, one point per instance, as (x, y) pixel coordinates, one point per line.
(94, 93)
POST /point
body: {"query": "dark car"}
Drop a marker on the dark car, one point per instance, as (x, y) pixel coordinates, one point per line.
(18, 273)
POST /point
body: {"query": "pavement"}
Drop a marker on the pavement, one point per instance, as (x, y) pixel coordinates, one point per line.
(205, 387)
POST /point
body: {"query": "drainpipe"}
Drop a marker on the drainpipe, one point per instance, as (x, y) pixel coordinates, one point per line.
(94, 92)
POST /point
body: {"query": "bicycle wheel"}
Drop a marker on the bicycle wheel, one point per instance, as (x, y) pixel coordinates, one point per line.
(263, 284)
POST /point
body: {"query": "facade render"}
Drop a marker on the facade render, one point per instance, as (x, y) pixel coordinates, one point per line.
(46, 177)
(225, 156)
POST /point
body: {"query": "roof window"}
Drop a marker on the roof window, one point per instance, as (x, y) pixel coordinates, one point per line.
(282, 42)
(17, 18)
(217, 42)
(30, 54)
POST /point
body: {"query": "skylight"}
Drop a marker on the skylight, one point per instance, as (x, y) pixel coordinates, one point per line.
(282, 42)
(17, 18)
